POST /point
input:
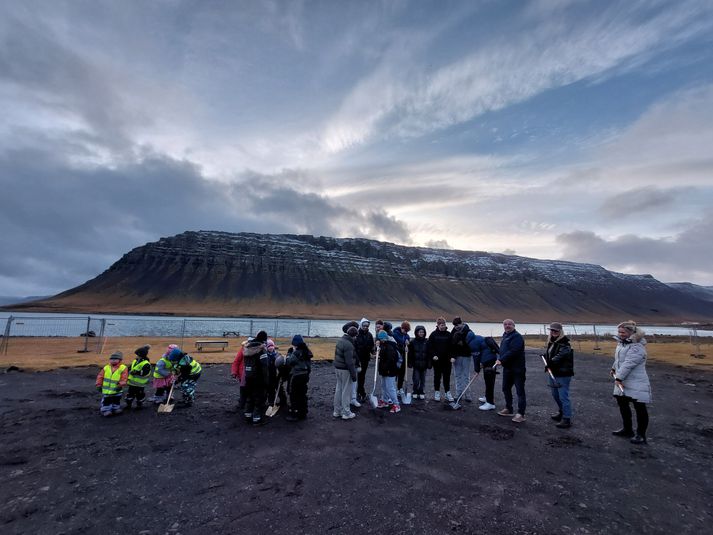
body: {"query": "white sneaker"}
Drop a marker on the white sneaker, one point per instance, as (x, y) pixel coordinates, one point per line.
(348, 416)
(355, 403)
(437, 395)
(400, 393)
(423, 396)
(482, 399)
(449, 397)
(335, 414)
(487, 407)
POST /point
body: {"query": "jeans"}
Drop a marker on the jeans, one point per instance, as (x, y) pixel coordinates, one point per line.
(342, 392)
(516, 378)
(419, 381)
(561, 394)
(462, 369)
(388, 390)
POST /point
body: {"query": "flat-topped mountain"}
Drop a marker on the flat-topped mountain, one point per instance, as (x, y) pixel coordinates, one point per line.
(219, 273)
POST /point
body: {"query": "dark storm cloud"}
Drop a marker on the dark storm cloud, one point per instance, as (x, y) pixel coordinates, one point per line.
(633, 202)
(63, 224)
(686, 256)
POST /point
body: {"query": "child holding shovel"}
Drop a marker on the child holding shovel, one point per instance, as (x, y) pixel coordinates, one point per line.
(163, 376)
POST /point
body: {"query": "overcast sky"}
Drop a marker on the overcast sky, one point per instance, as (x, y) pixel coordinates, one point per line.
(554, 129)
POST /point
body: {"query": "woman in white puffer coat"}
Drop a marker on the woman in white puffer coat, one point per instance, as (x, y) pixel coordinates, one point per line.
(631, 381)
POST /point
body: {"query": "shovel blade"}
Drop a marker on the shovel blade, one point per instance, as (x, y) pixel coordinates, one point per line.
(166, 407)
(454, 406)
(373, 401)
(272, 410)
(407, 399)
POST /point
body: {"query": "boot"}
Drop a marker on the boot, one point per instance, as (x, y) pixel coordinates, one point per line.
(557, 417)
(129, 402)
(623, 432)
(566, 423)
(638, 439)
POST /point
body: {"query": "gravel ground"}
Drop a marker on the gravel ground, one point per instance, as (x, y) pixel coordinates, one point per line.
(201, 470)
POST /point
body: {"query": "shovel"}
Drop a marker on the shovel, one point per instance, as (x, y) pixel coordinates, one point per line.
(455, 405)
(555, 383)
(372, 398)
(272, 409)
(407, 397)
(168, 406)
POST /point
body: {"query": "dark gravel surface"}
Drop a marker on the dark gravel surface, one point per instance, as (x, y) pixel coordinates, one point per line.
(201, 470)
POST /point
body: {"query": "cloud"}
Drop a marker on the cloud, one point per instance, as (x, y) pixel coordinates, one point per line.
(631, 203)
(438, 244)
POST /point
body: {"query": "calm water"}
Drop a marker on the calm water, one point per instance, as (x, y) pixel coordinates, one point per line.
(47, 324)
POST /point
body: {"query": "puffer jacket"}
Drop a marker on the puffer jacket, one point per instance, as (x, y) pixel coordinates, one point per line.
(439, 344)
(364, 344)
(388, 359)
(418, 356)
(630, 367)
(560, 357)
(512, 352)
(345, 356)
(299, 360)
(482, 354)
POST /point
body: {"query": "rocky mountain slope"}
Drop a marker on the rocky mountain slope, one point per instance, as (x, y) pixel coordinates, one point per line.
(217, 273)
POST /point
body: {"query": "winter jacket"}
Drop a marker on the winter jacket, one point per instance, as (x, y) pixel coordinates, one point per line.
(560, 357)
(418, 356)
(299, 360)
(512, 352)
(402, 339)
(345, 356)
(256, 364)
(482, 354)
(388, 359)
(122, 381)
(188, 368)
(439, 344)
(364, 344)
(458, 342)
(630, 367)
(237, 370)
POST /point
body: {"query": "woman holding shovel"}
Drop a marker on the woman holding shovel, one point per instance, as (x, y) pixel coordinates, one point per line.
(559, 364)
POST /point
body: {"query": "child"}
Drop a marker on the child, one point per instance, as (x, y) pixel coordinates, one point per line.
(188, 370)
(163, 376)
(110, 381)
(139, 375)
(419, 360)
(256, 379)
(298, 360)
(237, 370)
(388, 360)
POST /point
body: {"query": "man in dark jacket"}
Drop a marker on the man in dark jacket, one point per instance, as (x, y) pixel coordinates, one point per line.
(512, 359)
(560, 361)
(439, 349)
(345, 365)
(364, 344)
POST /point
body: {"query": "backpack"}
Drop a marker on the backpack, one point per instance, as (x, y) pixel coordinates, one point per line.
(492, 344)
(253, 368)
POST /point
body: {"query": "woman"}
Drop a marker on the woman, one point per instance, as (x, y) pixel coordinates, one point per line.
(559, 359)
(631, 381)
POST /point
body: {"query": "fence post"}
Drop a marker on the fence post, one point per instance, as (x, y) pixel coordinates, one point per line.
(6, 336)
(100, 345)
(183, 332)
(596, 338)
(86, 337)
(251, 328)
(277, 323)
(309, 327)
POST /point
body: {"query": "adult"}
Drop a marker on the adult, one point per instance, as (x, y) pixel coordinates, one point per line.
(632, 382)
(485, 352)
(353, 387)
(512, 359)
(560, 361)
(345, 365)
(364, 344)
(402, 338)
(461, 355)
(439, 348)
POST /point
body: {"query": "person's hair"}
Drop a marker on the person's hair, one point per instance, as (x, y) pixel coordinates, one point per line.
(405, 326)
(379, 322)
(440, 319)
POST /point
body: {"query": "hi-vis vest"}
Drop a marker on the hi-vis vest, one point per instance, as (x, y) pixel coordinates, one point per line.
(169, 367)
(136, 368)
(195, 367)
(110, 386)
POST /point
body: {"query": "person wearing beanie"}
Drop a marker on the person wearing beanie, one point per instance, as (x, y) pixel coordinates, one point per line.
(631, 381)
(274, 382)
(559, 357)
(261, 337)
(345, 370)
(420, 360)
(139, 376)
(188, 371)
(110, 382)
(388, 369)
(163, 376)
(364, 344)
(257, 381)
(352, 329)
(439, 349)
(402, 338)
(298, 360)
(512, 359)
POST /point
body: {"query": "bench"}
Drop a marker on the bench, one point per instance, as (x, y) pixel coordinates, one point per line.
(200, 344)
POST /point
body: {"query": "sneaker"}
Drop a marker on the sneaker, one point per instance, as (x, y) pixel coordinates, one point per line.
(437, 395)
(566, 423)
(626, 433)
(638, 439)
(355, 403)
(348, 416)
(518, 418)
(482, 399)
(395, 409)
(337, 414)
(382, 405)
(400, 393)
(449, 397)
(505, 412)
(557, 417)
(487, 407)
(422, 396)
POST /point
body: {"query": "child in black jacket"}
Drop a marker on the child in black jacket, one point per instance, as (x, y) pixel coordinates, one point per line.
(419, 360)
(299, 361)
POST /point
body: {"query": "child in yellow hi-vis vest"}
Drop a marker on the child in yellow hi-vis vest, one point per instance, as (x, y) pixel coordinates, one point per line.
(110, 382)
(139, 376)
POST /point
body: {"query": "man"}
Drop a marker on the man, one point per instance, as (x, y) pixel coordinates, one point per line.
(439, 345)
(512, 359)
(345, 365)
(364, 343)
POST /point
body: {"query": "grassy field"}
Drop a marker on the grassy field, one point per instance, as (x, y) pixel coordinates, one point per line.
(33, 353)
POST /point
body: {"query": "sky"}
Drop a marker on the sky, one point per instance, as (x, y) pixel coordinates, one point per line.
(574, 130)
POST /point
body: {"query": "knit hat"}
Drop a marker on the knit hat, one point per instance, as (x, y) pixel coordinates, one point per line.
(556, 326)
(382, 336)
(143, 351)
(388, 326)
(261, 337)
(457, 321)
(270, 343)
(170, 348)
(352, 331)
(348, 324)
(116, 355)
(175, 354)
(297, 340)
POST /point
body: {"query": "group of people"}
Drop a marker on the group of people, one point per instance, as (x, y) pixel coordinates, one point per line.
(268, 378)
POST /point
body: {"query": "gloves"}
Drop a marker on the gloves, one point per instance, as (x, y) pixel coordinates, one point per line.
(435, 357)
(611, 372)
(453, 361)
(358, 371)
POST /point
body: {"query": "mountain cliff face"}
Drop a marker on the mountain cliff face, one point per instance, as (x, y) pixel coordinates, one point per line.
(217, 273)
